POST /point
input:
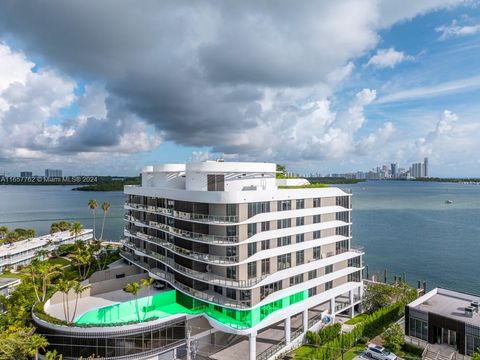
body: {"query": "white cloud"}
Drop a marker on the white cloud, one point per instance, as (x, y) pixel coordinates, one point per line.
(388, 58)
(432, 91)
(456, 30)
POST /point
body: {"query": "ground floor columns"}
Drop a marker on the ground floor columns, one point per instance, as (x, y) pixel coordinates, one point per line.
(252, 342)
(287, 326)
(352, 309)
(332, 306)
(305, 320)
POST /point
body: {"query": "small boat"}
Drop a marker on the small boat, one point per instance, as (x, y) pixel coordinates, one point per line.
(448, 202)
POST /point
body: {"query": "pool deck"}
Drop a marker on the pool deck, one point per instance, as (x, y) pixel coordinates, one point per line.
(88, 303)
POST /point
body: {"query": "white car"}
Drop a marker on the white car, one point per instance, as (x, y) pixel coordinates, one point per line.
(379, 352)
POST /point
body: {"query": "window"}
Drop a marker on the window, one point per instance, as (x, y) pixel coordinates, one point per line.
(343, 201)
(355, 262)
(328, 285)
(317, 202)
(312, 291)
(252, 249)
(342, 230)
(231, 272)
(265, 266)
(284, 223)
(343, 216)
(283, 205)
(328, 269)
(419, 329)
(300, 204)
(312, 274)
(231, 251)
(270, 289)
(265, 225)
(245, 295)
(258, 208)
(252, 269)
(265, 244)
(231, 231)
(300, 238)
(251, 229)
(284, 261)
(231, 209)
(300, 257)
(316, 253)
(218, 289)
(354, 277)
(232, 294)
(316, 219)
(297, 279)
(341, 246)
(215, 182)
(317, 234)
(300, 221)
(284, 241)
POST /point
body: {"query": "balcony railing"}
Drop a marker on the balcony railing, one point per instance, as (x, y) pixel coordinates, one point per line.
(202, 295)
(208, 258)
(202, 276)
(212, 219)
(189, 235)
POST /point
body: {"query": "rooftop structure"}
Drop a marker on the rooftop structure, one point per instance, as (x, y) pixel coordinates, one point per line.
(445, 317)
(22, 252)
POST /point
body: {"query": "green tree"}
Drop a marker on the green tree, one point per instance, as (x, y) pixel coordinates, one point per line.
(476, 354)
(379, 295)
(105, 208)
(64, 286)
(12, 237)
(76, 229)
(92, 205)
(133, 288)
(3, 231)
(78, 289)
(53, 355)
(40, 275)
(393, 338)
(21, 343)
(281, 171)
(83, 257)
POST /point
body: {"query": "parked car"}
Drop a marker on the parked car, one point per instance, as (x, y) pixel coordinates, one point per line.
(379, 353)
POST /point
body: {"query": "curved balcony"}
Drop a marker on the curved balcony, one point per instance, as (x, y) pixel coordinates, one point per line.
(207, 258)
(185, 234)
(170, 278)
(211, 219)
(202, 276)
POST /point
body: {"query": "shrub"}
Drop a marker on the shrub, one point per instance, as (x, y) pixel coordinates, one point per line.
(393, 338)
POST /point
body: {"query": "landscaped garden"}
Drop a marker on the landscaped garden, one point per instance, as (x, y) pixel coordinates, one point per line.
(384, 305)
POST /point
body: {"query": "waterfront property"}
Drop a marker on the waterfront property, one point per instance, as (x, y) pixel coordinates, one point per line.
(23, 252)
(445, 317)
(246, 268)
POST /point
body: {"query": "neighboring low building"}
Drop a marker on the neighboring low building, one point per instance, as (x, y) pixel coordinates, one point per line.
(7, 285)
(445, 317)
(22, 252)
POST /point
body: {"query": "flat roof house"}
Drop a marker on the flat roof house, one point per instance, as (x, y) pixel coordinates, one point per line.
(445, 317)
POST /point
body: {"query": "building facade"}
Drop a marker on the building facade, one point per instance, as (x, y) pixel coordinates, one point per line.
(23, 252)
(241, 250)
(53, 173)
(26, 174)
(445, 317)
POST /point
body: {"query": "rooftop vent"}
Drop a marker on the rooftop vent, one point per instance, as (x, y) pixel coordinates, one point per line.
(469, 310)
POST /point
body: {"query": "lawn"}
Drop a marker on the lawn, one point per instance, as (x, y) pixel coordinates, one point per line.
(58, 261)
(304, 351)
(9, 275)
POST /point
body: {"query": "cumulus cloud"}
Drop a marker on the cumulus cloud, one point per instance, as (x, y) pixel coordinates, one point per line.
(248, 79)
(456, 30)
(388, 58)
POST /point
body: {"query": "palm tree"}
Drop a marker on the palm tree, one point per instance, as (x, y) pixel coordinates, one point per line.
(105, 208)
(64, 286)
(76, 229)
(42, 254)
(37, 343)
(83, 257)
(78, 289)
(92, 204)
(3, 231)
(12, 237)
(133, 288)
(53, 355)
(31, 233)
(46, 272)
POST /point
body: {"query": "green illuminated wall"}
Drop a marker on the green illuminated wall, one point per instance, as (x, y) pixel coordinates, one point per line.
(175, 302)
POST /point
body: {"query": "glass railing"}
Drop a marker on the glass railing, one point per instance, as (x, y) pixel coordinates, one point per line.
(203, 276)
(218, 299)
(220, 219)
(211, 259)
(190, 235)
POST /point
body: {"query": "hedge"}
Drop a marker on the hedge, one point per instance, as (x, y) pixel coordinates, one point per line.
(373, 325)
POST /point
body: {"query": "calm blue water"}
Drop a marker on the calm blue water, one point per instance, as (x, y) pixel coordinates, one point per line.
(38, 206)
(404, 226)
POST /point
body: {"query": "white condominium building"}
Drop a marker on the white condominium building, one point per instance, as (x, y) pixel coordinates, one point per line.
(243, 252)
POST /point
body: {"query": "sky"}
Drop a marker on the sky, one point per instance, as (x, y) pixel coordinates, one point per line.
(108, 87)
